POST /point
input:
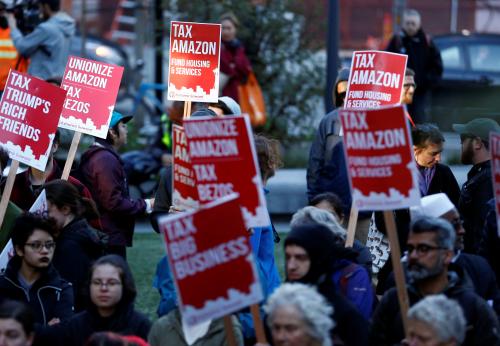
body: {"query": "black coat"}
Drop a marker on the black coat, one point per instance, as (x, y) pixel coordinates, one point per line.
(482, 325)
(444, 181)
(490, 242)
(49, 297)
(475, 194)
(76, 248)
(125, 321)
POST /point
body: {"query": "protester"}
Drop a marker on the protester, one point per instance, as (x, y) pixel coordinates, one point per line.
(332, 203)
(234, 64)
(490, 242)
(423, 58)
(225, 106)
(77, 244)
(30, 276)
(409, 87)
(434, 176)
(109, 188)
(429, 253)
(436, 320)
(478, 189)
(48, 45)
(17, 324)
(111, 307)
(309, 259)
(298, 315)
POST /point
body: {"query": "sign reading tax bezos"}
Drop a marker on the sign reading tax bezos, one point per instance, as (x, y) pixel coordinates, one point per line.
(380, 162)
(29, 113)
(194, 62)
(92, 89)
(376, 79)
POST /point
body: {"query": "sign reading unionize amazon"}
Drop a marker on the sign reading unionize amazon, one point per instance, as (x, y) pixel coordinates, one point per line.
(224, 161)
(194, 62)
(92, 88)
(495, 159)
(211, 260)
(29, 113)
(380, 162)
(376, 79)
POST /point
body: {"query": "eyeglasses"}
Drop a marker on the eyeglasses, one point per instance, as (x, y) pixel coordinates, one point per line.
(422, 249)
(38, 245)
(110, 284)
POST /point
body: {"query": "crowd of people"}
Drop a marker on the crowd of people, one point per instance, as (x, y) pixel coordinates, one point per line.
(69, 282)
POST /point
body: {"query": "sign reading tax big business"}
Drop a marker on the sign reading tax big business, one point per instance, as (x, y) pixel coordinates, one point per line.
(29, 113)
(194, 62)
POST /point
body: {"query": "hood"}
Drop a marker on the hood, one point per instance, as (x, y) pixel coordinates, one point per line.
(50, 276)
(80, 231)
(343, 76)
(64, 22)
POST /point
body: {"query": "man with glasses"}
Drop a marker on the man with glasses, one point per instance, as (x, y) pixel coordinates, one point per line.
(30, 276)
(430, 248)
(478, 189)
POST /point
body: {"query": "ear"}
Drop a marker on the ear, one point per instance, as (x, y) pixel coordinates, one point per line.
(19, 251)
(55, 146)
(66, 210)
(477, 143)
(448, 257)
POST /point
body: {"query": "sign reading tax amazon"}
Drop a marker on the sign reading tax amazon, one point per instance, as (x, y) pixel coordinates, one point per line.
(495, 165)
(194, 62)
(92, 88)
(29, 113)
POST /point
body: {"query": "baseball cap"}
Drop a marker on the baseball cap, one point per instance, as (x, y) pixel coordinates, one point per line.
(433, 205)
(480, 127)
(230, 104)
(116, 117)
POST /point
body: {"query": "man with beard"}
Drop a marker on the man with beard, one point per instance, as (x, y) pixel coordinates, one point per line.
(429, 253)
(30, 276)
(477, 190)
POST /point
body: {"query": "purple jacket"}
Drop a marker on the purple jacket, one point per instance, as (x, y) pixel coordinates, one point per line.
(101, 170)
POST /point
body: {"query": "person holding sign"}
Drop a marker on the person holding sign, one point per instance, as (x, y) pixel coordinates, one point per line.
(30, 276)
(101, 169)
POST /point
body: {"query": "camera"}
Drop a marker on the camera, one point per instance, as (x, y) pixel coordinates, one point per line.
(27, 14)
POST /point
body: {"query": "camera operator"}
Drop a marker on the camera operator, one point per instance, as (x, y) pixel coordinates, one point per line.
(48, 45)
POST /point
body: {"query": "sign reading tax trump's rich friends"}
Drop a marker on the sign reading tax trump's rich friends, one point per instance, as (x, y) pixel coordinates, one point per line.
(29, 113)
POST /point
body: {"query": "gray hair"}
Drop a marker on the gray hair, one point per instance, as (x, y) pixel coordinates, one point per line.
(445, 234)
(313, 308)
(412, 13)
(308, 215)
(443, 315)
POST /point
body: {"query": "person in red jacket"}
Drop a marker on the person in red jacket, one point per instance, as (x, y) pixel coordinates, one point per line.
(234, 64)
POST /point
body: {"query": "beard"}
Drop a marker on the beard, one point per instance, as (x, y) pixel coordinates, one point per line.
(467, 154)
(418, 272)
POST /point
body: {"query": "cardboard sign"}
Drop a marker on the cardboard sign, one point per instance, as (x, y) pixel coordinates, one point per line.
(29, 114)
(224, 161)
(39, 207)
(92, 89)
(211, 260)
(495, 165)
(184, 192)
(376, 79)
(194, 62)
(380, 163)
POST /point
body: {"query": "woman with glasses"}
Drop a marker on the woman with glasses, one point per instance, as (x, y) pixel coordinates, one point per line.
(111, 293)
(30, 276)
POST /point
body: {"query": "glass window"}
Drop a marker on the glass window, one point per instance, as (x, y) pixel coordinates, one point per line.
(484, 57)
(452, 58)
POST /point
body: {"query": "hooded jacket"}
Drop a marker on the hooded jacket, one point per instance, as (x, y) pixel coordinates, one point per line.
(482, 325)
(101, 170)
(50, 296)
(77, 247)
(47, 46)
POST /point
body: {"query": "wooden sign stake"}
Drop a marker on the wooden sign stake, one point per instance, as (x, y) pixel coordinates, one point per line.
(257, 323)
(9, 184)
(71, 155)
(187, 110)
(390, 225)
(351, 227)
(228, 327)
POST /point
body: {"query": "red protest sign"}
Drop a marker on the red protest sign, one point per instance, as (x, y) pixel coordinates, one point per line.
(92, 89)
(495, 160)
(184, 192)
(376, 79)
(223, 157)
(29, 114)
(211, 260)
(379, 158)
(194, 62)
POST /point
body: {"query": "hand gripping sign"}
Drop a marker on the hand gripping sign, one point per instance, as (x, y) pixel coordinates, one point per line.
(380, 163)
(194, 62)
(29, 114)
(495, 165)
(375, 80)
(92, 89)
(211, 260)
(224, 161)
